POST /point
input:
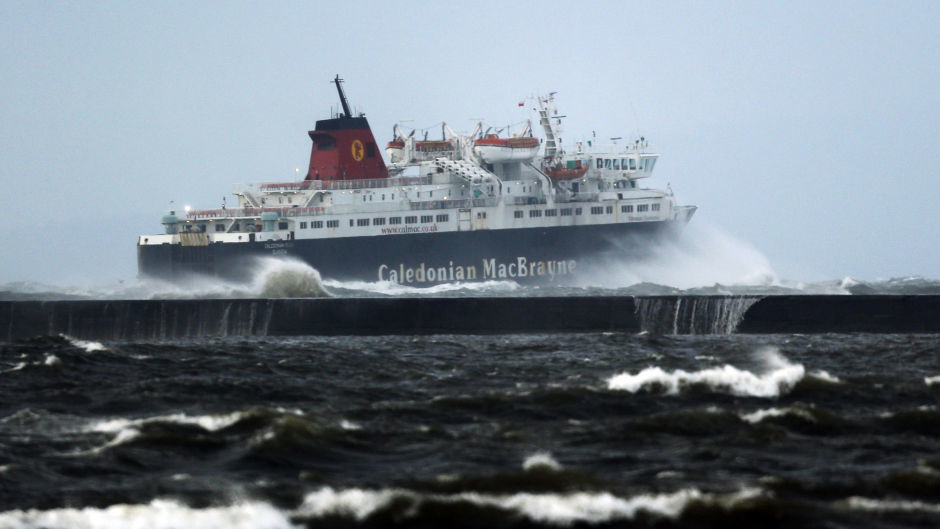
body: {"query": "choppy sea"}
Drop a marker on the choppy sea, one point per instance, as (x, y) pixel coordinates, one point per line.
(535, 430)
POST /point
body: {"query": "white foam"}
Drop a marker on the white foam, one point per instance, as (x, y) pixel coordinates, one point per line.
(541, 460)
(760, 415)
(561, 509)
(158, 514)
(390, 288)
(874, 505)
(927, 380)
(779, 380)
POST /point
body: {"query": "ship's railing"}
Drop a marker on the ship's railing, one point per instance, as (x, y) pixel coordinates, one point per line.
(583, 197)
(522, 201)
(441, 204)
(485, 202)
(253, 212)
(365, 183)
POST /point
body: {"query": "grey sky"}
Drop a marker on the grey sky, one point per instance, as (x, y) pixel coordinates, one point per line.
(808, 130)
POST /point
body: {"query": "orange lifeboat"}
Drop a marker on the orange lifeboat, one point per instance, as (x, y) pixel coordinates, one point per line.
(395, 150)
(493, 149)
(560, 172)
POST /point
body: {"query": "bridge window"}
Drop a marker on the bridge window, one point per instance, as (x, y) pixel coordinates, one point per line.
(317, 224)
(332, 224)
(633, 164)
(600, 163)
(518, 214)
(282, 225)
(607, 163)
(616, 163)
(220, 227)
(325, 142)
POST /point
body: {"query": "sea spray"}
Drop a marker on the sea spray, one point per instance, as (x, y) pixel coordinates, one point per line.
(702, 256)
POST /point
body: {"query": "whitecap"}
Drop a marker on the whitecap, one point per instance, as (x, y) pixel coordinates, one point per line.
(87, 345)
(759, 415)
(17, 367)
(51, 360)
(349, 425)
(541, 460)
(932, 380)
(875, 505)
(207, 422)
(560, 509)
(781, 377)
(826, 377)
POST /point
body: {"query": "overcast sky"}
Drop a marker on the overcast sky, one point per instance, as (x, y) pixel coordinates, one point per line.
(808, 130)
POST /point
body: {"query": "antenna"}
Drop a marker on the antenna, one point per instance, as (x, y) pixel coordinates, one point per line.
(342, 96)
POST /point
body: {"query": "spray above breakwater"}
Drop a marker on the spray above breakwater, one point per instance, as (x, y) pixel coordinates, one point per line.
(190, 318)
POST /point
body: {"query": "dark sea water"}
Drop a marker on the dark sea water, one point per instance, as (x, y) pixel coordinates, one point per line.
(537, 430)
(549, 430)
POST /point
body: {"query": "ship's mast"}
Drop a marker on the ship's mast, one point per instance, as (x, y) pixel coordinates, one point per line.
(342, 96)
(552, 129)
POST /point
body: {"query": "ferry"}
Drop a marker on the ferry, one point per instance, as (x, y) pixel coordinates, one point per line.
(466, 207)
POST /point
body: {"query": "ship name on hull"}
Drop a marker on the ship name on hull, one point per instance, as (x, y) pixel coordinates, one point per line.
(489, 269)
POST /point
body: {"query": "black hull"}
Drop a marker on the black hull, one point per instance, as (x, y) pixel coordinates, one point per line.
(527, 255)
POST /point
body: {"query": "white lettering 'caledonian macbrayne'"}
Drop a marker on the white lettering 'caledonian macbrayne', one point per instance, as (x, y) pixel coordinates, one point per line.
(489, 269)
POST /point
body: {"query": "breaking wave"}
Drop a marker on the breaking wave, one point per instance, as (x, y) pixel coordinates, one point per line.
(158, 514)
(778, 379)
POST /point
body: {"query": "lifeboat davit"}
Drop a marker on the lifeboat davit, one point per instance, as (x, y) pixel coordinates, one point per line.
(493, 149)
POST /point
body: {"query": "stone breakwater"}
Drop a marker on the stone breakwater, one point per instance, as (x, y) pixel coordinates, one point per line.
(187, 318)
